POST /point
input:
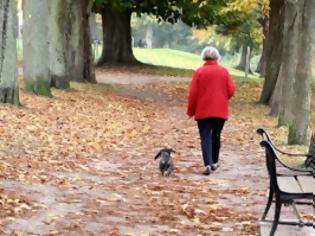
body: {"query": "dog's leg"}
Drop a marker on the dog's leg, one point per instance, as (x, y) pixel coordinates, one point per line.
(168, 171)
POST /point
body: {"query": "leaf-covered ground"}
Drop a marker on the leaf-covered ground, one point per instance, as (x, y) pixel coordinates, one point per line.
(82, 163)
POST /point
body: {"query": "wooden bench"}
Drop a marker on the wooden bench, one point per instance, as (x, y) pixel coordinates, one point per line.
(287, 185)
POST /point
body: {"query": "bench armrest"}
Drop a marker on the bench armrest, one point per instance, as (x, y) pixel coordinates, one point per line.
(266, 137)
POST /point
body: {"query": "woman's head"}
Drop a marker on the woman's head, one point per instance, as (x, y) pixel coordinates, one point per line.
(210, 53)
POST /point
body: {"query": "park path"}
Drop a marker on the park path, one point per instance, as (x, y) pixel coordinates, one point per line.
(120, 191)
(124, 77)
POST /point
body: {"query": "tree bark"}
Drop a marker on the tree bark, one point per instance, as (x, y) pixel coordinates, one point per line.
(74, 41)
(261, 67)
(277, 94)
(293, 11)
(242, 65)
(260, 64)
(89, 70)
(57, 56)
(35, 46)
(93, 27)
(273, 49)
(9, 90)
(79, 58)
(117, 41)
(312, 144)
(301, 102)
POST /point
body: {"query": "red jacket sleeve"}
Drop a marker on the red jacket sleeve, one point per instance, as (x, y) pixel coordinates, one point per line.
(192, 98)
(231, 86)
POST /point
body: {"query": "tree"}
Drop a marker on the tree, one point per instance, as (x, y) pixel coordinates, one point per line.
(241, 20)
(301, 102)
(163, 34)
(312, 144)
(261, 67)
(116, 15)
(70, 49)
(292, 94)
(9, 90)
(273, 49)
(293, 13)
(79, 57)
(247, 43)
(57, 41)
(35, 47)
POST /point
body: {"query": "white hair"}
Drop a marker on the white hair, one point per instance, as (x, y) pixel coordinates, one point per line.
(210, 53)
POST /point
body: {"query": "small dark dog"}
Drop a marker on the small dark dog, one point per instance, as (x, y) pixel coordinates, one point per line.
(166, 161)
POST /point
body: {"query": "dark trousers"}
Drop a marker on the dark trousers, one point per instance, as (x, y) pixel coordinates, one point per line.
(210, 136)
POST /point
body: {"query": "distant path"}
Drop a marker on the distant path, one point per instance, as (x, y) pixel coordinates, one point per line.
(117, 77)
(124, 77)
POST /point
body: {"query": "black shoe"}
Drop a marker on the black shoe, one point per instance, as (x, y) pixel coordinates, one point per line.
(207, 171)
(215, 166)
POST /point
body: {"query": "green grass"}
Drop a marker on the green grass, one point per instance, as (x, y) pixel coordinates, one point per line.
(168, 57)
(164, 61)
(181, 60)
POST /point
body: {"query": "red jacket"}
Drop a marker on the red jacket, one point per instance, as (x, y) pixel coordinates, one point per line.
(210, 91)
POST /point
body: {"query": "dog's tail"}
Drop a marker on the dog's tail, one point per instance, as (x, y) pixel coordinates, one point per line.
(168, 150)
(158, 155)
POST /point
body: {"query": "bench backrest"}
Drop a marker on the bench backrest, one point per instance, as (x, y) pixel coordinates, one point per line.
(308, 162)
(271, 159)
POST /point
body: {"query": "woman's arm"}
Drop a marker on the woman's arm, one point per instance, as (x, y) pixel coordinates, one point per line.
(192, 98)
(231, 85)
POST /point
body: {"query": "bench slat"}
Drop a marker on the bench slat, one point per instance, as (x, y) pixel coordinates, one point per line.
(289, 184)
(307, 183)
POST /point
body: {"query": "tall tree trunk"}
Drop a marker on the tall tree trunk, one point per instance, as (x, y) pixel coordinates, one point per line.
(303, 83)
(57, 56)
(260, 64)
(74, 41)
(242, 64)
(78, 44)
(293, 11)
(312, 144)
(273, 49)
(88, 71)
(9, 89)
(35, 44)
(93, 26)
(117, 41)
(149, 36)
(261, 67)
(277, 94)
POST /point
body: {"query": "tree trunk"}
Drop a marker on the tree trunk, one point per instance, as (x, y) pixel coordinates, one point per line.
(312, 144)
(35, 44)
(149, 37)
(293, 11)
(93, 27)
(261, 67)
(79, 57)
(303, 85)
(116, 38)
(88, 71)
(277, 94)
(74, 41)
(9, 89)
(273, 49)
(242, 65)
(56, 32)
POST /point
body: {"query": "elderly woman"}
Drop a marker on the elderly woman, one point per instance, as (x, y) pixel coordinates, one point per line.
(208, 101)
